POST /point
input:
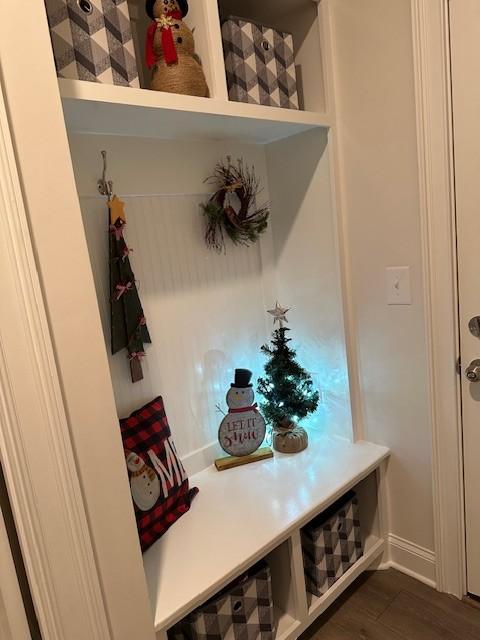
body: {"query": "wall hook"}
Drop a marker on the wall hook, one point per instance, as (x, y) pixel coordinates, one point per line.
(105, 187)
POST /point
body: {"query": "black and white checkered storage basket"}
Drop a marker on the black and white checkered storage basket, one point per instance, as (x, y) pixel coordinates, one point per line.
(260, 65)
(331, 544)
(242, 611)
(92, 40)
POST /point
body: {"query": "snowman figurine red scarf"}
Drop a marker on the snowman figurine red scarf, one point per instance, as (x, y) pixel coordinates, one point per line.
(172, 12)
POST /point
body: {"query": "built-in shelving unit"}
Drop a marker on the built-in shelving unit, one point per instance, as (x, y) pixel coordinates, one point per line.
(304, 19)
(206, 313)
(254, 512)
(161, 147)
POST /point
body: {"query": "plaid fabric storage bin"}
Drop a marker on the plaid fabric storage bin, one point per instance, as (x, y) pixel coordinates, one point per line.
(260, 65)
(242, 611)
(331, 544)
(92, 40)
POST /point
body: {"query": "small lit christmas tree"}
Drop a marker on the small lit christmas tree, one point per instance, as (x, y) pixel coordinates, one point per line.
(287, 388)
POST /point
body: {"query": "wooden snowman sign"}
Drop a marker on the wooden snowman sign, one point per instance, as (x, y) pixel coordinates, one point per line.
(243, 429)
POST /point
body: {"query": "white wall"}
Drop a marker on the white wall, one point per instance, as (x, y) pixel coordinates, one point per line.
(307, 269)
(378, 141)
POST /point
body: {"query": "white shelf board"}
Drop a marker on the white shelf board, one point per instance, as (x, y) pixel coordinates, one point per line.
(242, 514)
(96, 108)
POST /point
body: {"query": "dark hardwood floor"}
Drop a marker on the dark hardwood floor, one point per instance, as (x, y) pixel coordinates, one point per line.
(387, 605)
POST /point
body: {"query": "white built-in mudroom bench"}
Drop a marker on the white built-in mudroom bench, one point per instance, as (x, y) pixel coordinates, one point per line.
(255, 512)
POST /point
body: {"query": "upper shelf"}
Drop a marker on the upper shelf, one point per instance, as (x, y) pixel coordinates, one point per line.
(105, 109)
(242, 514)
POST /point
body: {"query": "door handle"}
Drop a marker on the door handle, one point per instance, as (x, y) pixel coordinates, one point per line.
(473, 371)
(474, 326)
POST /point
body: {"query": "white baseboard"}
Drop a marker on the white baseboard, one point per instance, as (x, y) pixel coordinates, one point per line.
(202, 458)
(412, 559)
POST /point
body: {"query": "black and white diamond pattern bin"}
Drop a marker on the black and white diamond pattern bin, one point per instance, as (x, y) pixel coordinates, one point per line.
(259, 63)
(92, 40)
(331, 544)
(242, 611)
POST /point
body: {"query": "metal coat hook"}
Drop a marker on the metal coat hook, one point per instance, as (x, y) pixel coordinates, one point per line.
(105, 187)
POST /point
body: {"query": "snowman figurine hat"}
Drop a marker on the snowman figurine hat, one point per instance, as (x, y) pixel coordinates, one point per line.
(242, 379)
(150, 4)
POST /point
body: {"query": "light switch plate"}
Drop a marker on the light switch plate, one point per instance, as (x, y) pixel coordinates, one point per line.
(398, 286)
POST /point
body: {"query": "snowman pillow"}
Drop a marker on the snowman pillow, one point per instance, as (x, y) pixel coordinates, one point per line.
(159, 484)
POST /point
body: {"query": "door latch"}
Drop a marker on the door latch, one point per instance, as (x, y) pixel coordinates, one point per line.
(473, 371)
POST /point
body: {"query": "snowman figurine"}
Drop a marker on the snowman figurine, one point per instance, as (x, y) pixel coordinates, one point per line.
(243, 429)
(144, 483)
(170, 50)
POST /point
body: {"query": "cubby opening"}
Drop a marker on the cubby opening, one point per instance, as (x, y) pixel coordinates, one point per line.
(368, 499)
(367, 492)
(285, 594)
(285, 600)
(207, 315)
(197, 20)
(300, 18)
(207, 312)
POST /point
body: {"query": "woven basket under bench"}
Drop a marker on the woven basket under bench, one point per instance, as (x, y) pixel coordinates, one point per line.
(331, 544)
(242, 611)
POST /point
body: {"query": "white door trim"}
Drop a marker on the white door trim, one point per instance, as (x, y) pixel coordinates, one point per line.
(435, 155)
(80, 363)
(35, 447)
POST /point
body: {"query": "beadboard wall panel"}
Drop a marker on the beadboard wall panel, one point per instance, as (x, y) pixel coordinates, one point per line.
(207, 312)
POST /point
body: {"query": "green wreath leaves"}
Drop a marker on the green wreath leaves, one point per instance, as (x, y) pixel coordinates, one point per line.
(232, 210)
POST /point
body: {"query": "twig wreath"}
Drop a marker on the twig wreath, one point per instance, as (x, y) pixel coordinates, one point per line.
(233, 207)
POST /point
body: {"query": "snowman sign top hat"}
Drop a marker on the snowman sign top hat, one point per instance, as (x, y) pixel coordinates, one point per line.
(242, 379)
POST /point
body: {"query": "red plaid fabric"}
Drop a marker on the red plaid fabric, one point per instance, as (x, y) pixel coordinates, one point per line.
(146, 433)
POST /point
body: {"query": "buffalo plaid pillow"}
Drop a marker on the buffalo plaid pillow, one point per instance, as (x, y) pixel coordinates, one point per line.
(159, 484)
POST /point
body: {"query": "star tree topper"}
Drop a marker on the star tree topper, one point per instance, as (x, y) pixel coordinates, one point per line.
(279, 314)
(117, 210)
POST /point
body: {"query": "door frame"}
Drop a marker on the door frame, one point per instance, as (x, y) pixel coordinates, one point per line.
(33, 426)
(83, 568)
(431, 53)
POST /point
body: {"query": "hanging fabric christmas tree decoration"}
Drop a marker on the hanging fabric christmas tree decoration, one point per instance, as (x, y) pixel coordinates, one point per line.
(287, 389)
(128, 323)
